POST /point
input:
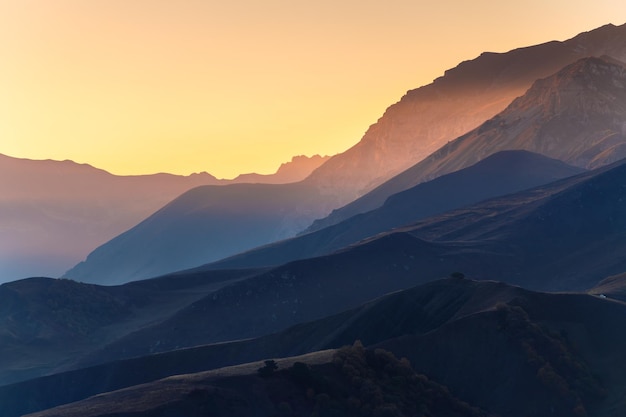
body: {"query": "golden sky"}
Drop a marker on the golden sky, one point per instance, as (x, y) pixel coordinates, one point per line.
(227, 87)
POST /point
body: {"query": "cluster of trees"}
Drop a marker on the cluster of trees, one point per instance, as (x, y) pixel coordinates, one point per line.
(363, 382)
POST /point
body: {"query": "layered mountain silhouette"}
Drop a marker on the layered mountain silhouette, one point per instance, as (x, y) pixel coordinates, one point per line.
(424, 120)
(428, 117)
(560, 235)
(52, 213)
(533, 197)
(502, 173)
(576, 115)
(567, 235)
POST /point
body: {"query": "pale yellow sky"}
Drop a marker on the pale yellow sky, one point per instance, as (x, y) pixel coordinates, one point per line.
(143, 86)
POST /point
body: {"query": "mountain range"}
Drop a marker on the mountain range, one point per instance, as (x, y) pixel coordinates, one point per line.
(576, 115)
(479, 272)
(502, 173)
(566, 235)
(43, 203)
(428, 117)
(425, 119)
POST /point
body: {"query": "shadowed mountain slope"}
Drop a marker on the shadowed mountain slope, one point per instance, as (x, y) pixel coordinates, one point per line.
(611, 287)
(562, 236)
(577, 115)
(296, 292)
(467, 95)
(562, 351)
(204, 224)
(502, 173)
(47, 323)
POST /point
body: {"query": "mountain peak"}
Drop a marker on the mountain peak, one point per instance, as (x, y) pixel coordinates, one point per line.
(295, 170)
(589, 88)
(593, 66)
(301, 163)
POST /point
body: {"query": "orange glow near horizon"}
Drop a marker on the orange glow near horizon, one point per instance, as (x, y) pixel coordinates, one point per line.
(147, 86)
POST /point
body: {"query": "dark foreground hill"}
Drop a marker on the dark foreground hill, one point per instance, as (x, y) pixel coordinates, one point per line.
(551, 349)
(575, 115)
(499, 174)
(353, 381)
(420, 309)
(48, 323)
(530, 353)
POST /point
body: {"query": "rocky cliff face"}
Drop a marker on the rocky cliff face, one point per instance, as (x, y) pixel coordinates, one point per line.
(428, 117)
(577, 115)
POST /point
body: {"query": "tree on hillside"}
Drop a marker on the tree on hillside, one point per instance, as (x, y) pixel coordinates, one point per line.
(268, 369)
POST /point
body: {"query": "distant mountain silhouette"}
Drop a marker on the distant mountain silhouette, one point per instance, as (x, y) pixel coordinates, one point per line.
(210, 223)
(44, 203)
(566, 235)
(296, 170)
(206, 223)
(576, 115)
(502, 173)
(428, 117)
